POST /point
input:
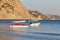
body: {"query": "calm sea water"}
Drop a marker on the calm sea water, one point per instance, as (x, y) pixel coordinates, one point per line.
(48, 30)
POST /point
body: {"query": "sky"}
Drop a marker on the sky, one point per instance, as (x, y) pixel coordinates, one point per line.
(43, 6)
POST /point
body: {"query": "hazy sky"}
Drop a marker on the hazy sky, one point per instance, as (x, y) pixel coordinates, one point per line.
(44, 6)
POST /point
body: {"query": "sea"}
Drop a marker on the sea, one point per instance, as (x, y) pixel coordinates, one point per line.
(48, 30)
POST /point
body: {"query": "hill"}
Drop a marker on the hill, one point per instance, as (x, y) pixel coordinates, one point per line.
(13, 9)
(42, 16)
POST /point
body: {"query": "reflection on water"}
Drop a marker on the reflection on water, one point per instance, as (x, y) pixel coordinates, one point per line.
(17, 28)
(4, 34)
(7, 33)
(30, 33)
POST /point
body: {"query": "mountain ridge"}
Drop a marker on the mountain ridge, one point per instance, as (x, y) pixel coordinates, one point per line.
(44, 16)
(14, 9)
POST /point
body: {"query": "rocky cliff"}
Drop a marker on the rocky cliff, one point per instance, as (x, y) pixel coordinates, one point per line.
(13, 9)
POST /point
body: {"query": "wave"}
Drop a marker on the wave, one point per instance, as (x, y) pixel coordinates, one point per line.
(45, 33)
(39, 37)
(42, 33)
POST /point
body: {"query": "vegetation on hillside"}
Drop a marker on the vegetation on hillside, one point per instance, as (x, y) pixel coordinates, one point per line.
(44, 16)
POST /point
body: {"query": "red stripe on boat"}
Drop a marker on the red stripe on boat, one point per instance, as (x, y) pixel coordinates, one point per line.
(18, 25)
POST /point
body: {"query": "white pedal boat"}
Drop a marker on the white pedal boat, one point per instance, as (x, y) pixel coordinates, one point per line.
(34, 24)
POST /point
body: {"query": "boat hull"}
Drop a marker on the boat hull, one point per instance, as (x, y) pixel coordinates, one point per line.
(35, 24)
(18, 26)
